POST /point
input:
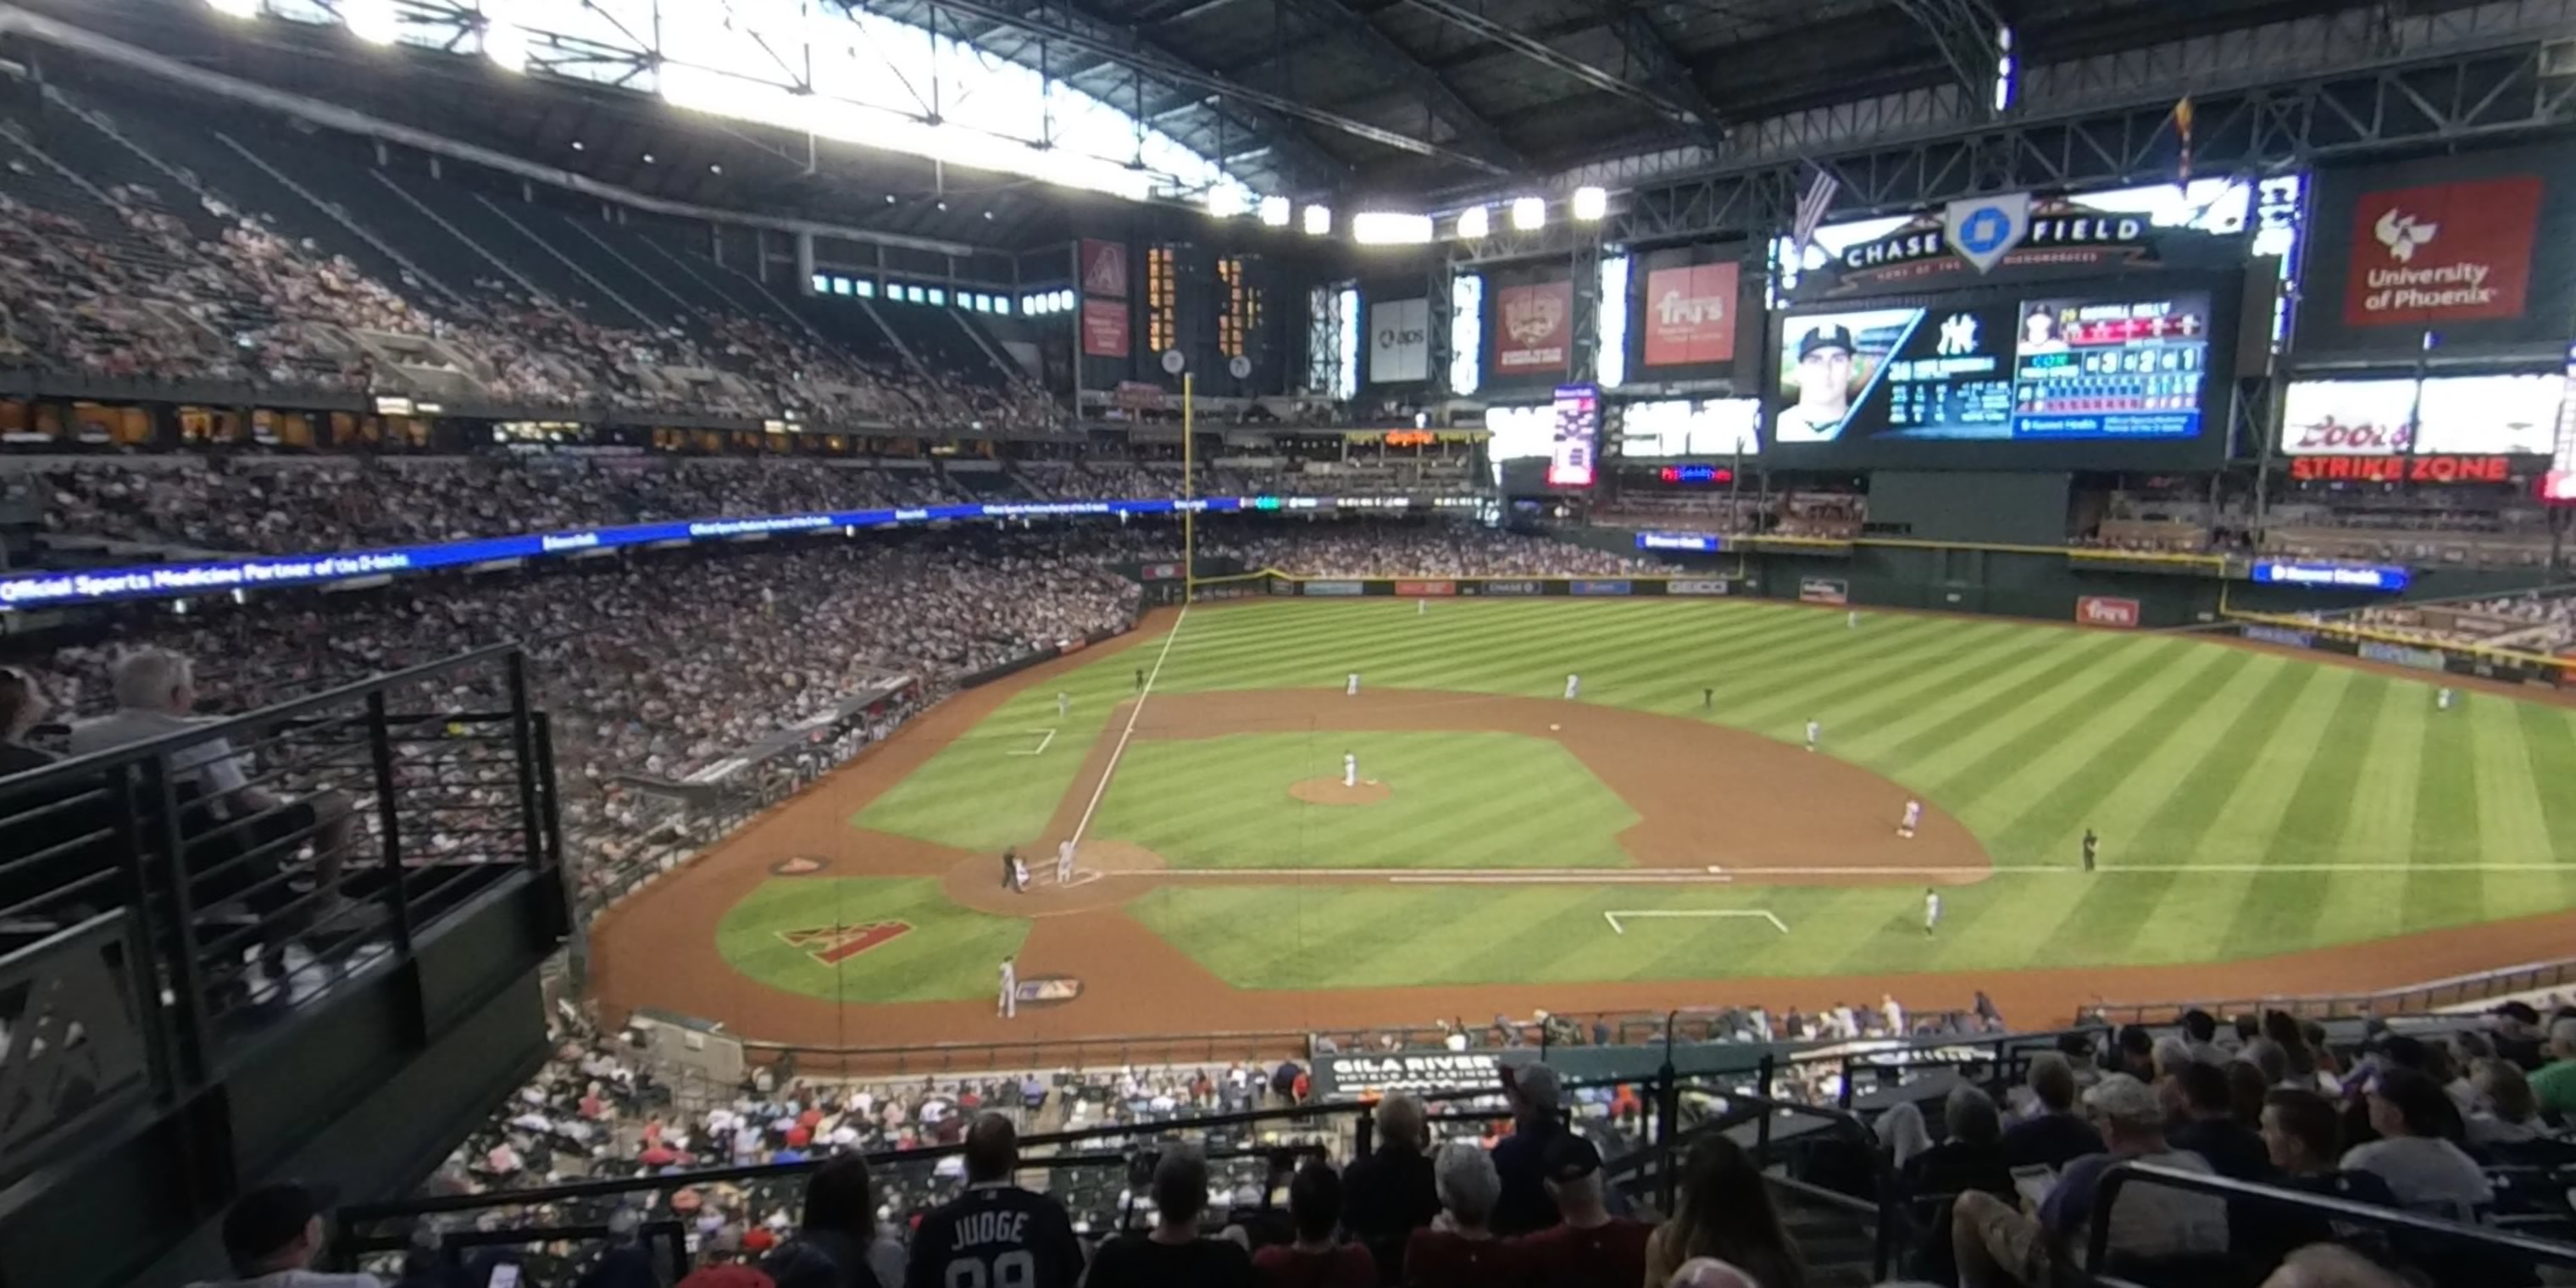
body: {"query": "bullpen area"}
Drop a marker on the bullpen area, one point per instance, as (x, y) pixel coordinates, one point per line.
(1256, 846)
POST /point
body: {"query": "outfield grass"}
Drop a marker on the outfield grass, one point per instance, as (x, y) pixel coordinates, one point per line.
(1439, 814)
(2260, 803)
(948, 954)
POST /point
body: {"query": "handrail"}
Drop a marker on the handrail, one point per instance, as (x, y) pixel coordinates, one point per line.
(2344, 1211)
(2466, 988)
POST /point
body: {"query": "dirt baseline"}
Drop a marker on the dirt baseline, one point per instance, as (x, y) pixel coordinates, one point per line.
(658, 948)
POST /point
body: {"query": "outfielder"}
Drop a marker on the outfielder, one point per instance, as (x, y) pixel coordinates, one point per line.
(1350, 770)
(1851, 620)
(1064, 862)
(1063, 704)
(1010, 1007)
(1815, 734)
(1573, 686)
(2092, 845)
(1351, 686)
(1913, 818)
(2442, 700)
(1931, 910)
(1421, 606)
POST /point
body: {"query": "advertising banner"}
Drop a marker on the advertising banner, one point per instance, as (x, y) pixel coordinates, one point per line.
(1824, 590)
(1160, 572)
(2403, 469)
(2503, 415)
(1695, 586)
(1599, 588)
(1513, 588)
(1690, 315)
(2422, 659)
(1426, 589)
(2291, 572)
(2475, 246)
(2106, 610)
(2281, 635)
(1698, 542)
(1335, 588)
(1104, 328)
(1399, 342)
(1354, 1075)
(1104, 268)
(1533, 327)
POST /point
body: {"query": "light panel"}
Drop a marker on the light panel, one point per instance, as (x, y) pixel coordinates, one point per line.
(1389, 228)
(1529, 214)
(1475, 222)
(1591, 203)
(1274, 212)
(1318, 220)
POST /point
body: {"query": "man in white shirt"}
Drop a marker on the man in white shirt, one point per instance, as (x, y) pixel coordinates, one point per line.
(272, 1235)
(155, 690)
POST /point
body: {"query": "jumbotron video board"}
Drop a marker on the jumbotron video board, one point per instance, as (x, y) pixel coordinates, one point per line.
(2034, 363)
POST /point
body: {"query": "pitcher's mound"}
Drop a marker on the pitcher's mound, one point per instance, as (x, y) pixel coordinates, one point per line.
(1329, 791)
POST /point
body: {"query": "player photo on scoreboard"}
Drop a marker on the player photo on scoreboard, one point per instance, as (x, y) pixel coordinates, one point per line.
(1828, 363)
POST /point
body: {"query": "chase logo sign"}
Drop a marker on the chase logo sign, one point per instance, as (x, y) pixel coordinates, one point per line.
(1982, 230)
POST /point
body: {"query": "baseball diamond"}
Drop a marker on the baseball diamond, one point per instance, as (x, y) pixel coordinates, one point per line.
(1647, 844)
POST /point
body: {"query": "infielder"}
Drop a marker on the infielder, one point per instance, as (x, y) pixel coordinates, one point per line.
(1351, 686)
(2442, 700)
(1913, 818)
(1851, 620)
(1010, 1007)
(1350, 770)
(1573, 685)
(2092, 844)
(1707, 699)
(1064, 862)
(1931, 910)
(1010, 860)
(1063, 704)
(1815, 734)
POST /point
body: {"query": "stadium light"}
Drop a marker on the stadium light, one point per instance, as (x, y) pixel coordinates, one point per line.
(1319, 220)
(1388, 228)
(235, 8)
(1529, 214)
(506, 44)
(1274, 211)
(1224, 201)
(1591, 203)
(372, 21)
(1474, 222)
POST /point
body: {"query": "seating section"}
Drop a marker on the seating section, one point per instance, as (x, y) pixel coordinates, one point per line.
(181, 246)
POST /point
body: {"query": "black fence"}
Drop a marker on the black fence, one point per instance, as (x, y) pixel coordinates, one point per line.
(169, 903)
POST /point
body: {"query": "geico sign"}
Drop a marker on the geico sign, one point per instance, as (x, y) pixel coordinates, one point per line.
(2105, 610)
(2404, 469)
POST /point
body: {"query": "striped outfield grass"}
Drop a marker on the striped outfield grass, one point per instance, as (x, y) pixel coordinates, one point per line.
(2249, 803)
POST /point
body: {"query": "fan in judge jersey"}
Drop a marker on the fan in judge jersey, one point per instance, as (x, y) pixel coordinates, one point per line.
(1009, 1235)
(1587, 1246)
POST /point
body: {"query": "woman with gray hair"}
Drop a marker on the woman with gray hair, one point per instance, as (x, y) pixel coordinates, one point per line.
(1459, 1249)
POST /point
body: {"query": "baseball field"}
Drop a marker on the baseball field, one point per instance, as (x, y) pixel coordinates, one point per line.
(1665, 838)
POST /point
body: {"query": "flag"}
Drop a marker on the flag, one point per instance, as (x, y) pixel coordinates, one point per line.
(1811, 208)
(2182, 130)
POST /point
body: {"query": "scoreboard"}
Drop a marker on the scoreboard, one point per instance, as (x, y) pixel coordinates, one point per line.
(2130, 368)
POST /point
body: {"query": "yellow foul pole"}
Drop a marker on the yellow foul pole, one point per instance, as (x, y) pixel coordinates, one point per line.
(1189, 515)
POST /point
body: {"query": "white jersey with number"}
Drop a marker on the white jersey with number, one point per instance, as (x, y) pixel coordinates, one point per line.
(1573, 685)
(1352, 685)
(1913, 814)
(1931, 910)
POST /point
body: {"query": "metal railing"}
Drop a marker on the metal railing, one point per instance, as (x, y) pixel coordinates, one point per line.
(2409, 999)
(176, 899)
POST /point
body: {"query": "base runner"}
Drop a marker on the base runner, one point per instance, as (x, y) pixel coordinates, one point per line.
(1913, 819)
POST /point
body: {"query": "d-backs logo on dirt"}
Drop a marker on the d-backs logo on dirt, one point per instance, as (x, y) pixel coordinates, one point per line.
(833, 945)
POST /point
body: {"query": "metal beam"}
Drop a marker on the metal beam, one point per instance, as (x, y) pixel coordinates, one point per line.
(1965, 32)
(1549, 56)
(1665, 69)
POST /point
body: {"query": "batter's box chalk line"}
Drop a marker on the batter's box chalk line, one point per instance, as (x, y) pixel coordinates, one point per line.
(1045, 737)
(1633, 914)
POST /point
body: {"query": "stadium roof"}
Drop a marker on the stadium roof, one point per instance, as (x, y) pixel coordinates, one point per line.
(1419, 102)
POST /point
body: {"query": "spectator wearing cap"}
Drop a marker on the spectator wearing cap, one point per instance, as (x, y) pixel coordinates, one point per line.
(1725, 1213)
(1173, 1255)
(1315, 1259)
(1392, 1192)
(2554, 1086)
(2418, 1150)
(2518, 1035)
(1998, 1245)
(1537, 1121)
(1459, 1248)
(272, 1235)
(2056, 1135)
(839, 1243)
(1587, 1247)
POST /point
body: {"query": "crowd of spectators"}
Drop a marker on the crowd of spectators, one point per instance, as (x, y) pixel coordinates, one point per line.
(111, 280)
(1430, 550)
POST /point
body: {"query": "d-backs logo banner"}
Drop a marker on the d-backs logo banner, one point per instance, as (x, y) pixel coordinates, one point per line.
(2473, 248)
(1533, 327)
(1104, 269)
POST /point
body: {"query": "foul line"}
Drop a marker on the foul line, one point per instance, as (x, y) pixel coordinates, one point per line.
(1100, 788)
(1718, 875)
(1043, 743)
(1634, 913)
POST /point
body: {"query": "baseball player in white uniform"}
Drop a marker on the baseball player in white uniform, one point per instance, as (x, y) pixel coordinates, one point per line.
(1851, 620)
(1350, 770)
(1913, 818)
(1931, 910)
(1351, 686)
(1421, 606)
(1019, 875)
(1573, 686)
(2442, 700)
(1010, 1007)
(1063, 704)
(1064, 862)
(1815, 734)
